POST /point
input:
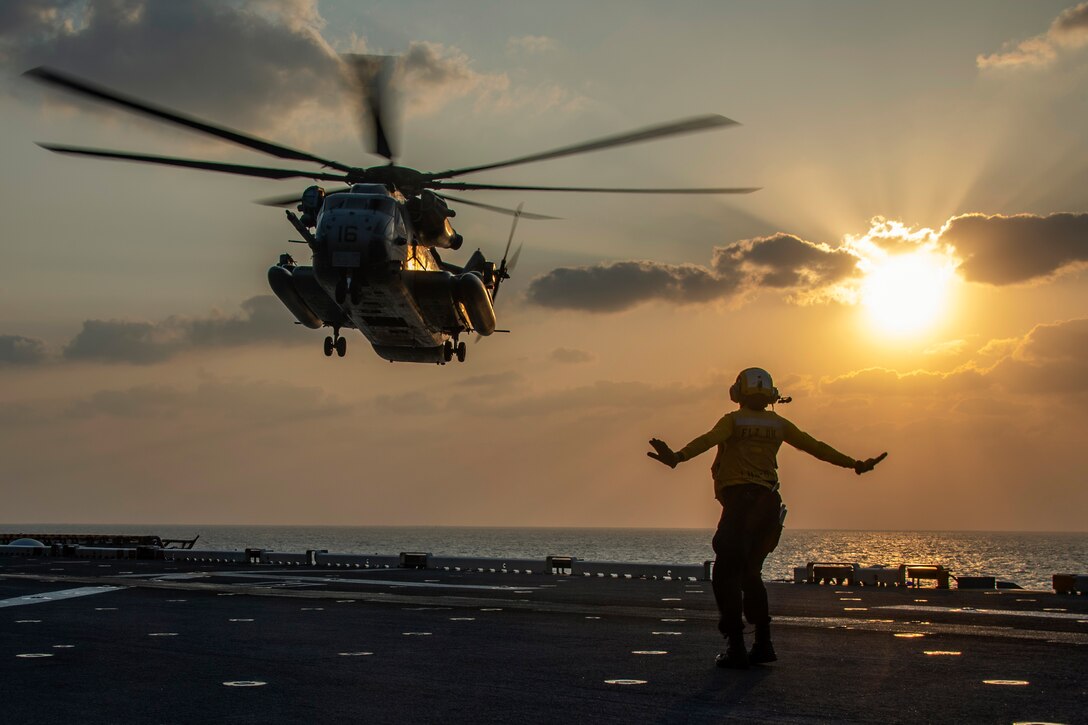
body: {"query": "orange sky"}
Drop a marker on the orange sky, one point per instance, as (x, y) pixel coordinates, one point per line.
(147, 375)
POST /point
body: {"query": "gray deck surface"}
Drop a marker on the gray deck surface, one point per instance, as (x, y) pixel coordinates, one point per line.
(421, 646)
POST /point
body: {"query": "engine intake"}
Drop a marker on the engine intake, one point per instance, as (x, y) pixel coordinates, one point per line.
(431, 217)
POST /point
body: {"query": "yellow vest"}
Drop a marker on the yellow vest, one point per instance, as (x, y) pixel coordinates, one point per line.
(748, 442)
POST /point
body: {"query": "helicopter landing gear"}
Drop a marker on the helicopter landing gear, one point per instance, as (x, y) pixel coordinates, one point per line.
(335, 342)
(341, 291)
(451, 350)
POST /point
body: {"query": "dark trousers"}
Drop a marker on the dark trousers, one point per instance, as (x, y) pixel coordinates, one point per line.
(747, 532)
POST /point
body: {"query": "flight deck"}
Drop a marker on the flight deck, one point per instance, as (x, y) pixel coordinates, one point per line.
(178, 641)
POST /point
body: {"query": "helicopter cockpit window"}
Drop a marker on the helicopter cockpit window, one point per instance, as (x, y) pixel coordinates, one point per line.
(381, 204)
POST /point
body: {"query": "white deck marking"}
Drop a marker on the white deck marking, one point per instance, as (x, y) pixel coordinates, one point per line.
(345, 580)
(973, 610)
(55, 596)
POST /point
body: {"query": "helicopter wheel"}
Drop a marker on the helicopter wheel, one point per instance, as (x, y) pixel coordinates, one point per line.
(329, 345)
(461, 350)
(341, 346)
(447, 351)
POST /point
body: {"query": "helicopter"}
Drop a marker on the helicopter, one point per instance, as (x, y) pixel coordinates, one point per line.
(375, 261)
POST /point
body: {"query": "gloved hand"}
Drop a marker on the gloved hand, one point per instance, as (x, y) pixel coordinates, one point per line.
(663, 453)
(861, 467)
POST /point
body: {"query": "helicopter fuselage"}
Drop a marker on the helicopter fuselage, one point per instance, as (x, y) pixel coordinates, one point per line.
(373, 270)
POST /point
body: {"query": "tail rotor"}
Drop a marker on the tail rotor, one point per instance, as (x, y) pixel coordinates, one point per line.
(505, 268)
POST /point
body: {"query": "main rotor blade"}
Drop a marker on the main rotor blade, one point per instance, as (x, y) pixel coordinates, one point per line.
(259, 171)
(499, 209)
(100, 93)
(373, 73)
(463, 186)
(688, 125)
(293, 199)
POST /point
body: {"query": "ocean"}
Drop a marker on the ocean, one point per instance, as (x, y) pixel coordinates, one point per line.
(1026, 558)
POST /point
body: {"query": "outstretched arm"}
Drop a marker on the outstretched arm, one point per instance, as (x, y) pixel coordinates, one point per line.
(818, 449)
(662, 452)
(719, 433)
(804, 442)
(861, 467)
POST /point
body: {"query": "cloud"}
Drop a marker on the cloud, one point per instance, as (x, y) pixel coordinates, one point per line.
(493, 380)
(146, 401)
(1069, 31)
(261, 66)
(571, 356)
(989, 249)
(438, 74)
(810, 271)
(492, 397)
(601, 397)
(247, 64)
(622, 285)
(995, 350)
(263, 320)
(1059, 341)
(19, 350)
(117, 340)
(27, 17)
(1010, 249)
(435, 75)
(266, 402)
(22, 415)
(415, 402)
(988, 407)
(807, 271)
(530, 44)
(1047, 361)
(879, 381)
(466, 394)
(946, 348)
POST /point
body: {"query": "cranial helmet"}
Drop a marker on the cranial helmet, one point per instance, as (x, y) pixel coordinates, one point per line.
(753, 385)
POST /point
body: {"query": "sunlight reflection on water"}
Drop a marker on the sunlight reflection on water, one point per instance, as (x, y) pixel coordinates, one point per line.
(1029, 559)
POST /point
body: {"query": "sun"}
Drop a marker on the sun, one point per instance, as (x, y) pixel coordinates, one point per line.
(907, 294)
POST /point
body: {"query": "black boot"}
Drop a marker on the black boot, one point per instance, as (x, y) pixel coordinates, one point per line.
(735, 656)
(762, 648)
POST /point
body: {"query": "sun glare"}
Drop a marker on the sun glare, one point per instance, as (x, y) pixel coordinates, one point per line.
(907, 293)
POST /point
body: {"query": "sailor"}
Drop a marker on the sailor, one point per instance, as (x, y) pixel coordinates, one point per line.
(745, 474)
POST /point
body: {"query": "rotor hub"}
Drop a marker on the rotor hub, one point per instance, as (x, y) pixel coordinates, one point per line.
(406, 180)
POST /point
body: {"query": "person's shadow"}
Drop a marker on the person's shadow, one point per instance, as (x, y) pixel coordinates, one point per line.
(721, 692)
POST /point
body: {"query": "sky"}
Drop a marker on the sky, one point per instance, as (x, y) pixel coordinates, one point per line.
(911, 270)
